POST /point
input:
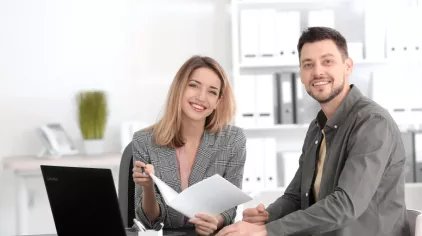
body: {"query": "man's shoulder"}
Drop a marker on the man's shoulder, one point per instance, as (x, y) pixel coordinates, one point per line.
(366, 107)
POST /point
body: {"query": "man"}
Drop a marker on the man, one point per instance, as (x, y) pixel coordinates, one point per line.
(350, 179)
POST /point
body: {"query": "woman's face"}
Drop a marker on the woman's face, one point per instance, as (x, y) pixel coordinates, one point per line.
(201, 95)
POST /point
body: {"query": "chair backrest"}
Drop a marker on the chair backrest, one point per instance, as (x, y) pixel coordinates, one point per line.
(414, 218)
(127, 187)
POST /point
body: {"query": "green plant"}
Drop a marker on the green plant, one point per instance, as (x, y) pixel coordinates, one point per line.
(92, 112)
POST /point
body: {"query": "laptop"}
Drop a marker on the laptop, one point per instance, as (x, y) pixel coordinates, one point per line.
(84, 201)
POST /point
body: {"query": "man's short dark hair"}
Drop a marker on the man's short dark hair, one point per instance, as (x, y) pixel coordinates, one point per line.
(315, 34)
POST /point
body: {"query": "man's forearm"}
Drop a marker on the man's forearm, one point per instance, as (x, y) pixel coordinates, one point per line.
(149, 203)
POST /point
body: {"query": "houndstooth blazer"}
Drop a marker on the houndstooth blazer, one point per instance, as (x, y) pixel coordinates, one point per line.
(223, 153)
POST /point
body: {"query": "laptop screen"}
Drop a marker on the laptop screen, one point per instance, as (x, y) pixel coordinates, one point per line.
(83, 201)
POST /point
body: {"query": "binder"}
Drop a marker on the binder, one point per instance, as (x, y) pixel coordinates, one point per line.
(291, 165)
(287, 35)
(265, 100)
(270, 154)
(245, 92)
(253, 175)
(374, 34)
(321, 18)
(249, 34)
(284, 98)
(267, 34)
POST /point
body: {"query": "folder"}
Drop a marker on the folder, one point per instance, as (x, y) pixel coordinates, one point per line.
(287, 35)
(306, 108)
(211, 196)
(291, 165)
(285, 98)
(267, 34)
(374, 34)
(253, 174)
(270, 155)
(245, 92)
(249, 34)
(265, 100)
(321, 18)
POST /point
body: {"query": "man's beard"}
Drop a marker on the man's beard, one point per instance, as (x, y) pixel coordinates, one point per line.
(333, 94)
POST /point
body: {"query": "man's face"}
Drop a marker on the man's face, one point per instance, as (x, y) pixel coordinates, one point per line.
(323, 70)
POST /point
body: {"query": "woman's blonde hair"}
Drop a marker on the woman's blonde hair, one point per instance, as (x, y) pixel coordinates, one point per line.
(167, 131)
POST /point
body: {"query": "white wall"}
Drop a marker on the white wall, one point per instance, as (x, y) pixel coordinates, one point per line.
(49, 50)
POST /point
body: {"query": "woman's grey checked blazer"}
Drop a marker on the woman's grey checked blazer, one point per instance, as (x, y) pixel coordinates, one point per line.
(223, 153)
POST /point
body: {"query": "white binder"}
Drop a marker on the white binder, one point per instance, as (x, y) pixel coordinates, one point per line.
(270, 154)
(287, 35)
(321, 18)
(265, 100)
(253, 175)
(249, 34)
(267, 34)
(291, 165)
(245, 92)
(375, 34)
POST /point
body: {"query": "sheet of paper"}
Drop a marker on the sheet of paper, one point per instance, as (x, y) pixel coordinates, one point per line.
(211, 196)
(166, 191)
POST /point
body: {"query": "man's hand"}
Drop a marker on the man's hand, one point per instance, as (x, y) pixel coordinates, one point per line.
(243, 228)
(258, 215)
(206, 225)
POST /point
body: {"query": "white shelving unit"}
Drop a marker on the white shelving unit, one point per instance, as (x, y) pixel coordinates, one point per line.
(371, 46)
(349, 18)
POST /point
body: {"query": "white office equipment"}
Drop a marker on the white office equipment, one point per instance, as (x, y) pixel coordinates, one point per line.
(211, 196)
(249, 31)
(127, 130)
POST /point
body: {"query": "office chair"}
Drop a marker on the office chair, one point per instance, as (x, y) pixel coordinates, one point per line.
(414, 218)
(126, 190)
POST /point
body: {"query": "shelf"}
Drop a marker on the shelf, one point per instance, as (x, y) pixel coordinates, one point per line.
(286, 127)
(273, 66)
(291, 3)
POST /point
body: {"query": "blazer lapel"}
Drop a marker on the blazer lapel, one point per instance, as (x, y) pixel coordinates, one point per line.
(204, 155)
(167, 167)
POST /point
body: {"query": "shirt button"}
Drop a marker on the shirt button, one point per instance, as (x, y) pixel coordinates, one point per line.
(335, 126)
(316, 142)
(306, 194)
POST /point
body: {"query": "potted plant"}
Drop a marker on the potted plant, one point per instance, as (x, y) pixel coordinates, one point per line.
(92, 114)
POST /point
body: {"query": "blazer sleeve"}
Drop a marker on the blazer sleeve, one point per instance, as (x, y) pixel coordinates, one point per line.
(372, 143)
(140, 153)
(234, 170)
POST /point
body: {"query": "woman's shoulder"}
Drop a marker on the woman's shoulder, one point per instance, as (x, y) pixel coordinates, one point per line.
(143, 136)
(231, 134)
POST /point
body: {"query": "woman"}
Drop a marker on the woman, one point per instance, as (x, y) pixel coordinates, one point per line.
(192, 141)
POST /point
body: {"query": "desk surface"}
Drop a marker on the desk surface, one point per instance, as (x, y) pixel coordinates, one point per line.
(32, 163)
(186, 231)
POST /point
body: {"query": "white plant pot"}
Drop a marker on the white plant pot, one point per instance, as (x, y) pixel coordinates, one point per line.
(94, 146)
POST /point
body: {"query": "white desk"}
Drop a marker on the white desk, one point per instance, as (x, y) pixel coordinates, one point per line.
(26, 166)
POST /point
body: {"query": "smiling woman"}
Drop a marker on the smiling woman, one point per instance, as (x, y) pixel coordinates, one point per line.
(192, 141)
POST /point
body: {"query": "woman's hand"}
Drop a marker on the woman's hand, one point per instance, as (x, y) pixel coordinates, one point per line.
(206, 225)
(143, 179)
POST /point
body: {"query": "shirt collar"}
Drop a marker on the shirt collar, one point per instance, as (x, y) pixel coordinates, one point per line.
(342, 111)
